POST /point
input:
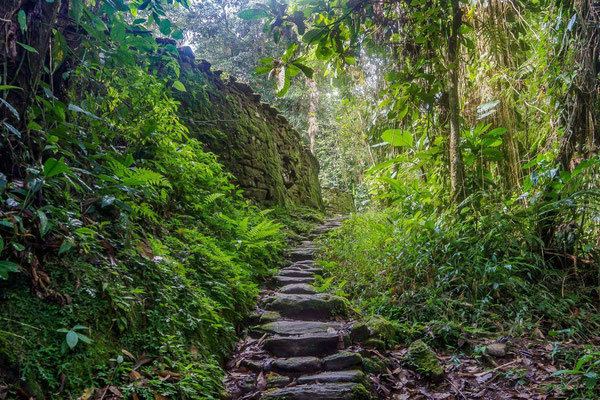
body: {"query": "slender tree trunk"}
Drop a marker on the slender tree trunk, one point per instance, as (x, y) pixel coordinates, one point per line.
(457, 174)
(313, 123)
(582, 103)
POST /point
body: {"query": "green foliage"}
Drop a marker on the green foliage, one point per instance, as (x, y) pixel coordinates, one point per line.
(141, 254)
(581, 382)
(444, 273)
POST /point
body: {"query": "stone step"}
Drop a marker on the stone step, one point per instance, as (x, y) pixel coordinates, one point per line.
(306, 268)
(302, 254)
(289, 328)
(295, 272)
(298, 288)
(332, 377)
(263, 317)
(305, 245)
(328, 391)
(326, 228)
(306, 306)
(291, 280)
(339, 361)
(296, 365)
(277, 381)
(342, 360)
(306, 264)
(320, 344)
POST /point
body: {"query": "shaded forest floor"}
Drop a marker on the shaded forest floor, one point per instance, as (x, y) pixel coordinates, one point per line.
(524, 372)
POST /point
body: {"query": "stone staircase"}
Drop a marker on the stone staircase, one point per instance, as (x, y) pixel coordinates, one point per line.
(299, 346)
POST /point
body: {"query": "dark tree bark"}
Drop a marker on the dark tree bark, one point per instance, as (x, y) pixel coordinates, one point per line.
(457, 174)
(21, 67)
(581, 118)
(313, 122)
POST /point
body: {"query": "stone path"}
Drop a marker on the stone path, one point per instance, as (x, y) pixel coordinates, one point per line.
(299, 344)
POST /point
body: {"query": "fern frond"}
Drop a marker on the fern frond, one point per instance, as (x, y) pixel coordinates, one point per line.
(146, 177)
(211, 198)
(264, 229)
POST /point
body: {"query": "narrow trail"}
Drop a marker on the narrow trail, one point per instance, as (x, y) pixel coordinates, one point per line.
(299, 343)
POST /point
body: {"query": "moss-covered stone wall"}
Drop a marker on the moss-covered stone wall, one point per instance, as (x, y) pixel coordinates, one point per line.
(256, 143)
(338, 202)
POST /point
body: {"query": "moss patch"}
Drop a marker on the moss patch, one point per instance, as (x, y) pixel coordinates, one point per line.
(422, 358)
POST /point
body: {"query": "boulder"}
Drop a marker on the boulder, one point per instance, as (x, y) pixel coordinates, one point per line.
(496, 349)
(423, 359)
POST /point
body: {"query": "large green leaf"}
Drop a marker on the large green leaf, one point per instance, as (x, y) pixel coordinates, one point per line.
(73, 107)
(397, 137)
(28, 47)
(10, 108)
(165, 26)
(179, 86)
(253, 14)
(66, 245)
(314, 34)
(12, 129)
(53, 167)
(306, 70)
(6, 267)
(263, 69)
(117, 32)
(44, 226)
(72, 339)
(22, 19)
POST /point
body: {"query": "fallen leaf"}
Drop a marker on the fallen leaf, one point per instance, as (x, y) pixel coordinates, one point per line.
(128, 354)
(261, 382)
(134, 375)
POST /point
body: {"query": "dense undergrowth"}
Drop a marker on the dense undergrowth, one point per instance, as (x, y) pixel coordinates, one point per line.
(129, 255)
(443, 273)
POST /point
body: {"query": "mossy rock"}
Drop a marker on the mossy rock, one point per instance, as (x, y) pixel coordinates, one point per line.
(361, 393)
(360, 332)
(269, 316)
(375, 330)
(376, 343)
(375, 365)
(423, 359)
(275, 380)
(383, 329)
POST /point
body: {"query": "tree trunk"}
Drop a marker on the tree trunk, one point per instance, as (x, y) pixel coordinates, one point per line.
(313, 123)
(457, 174)
(582, 111)
(24, 68)
(21, 67)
